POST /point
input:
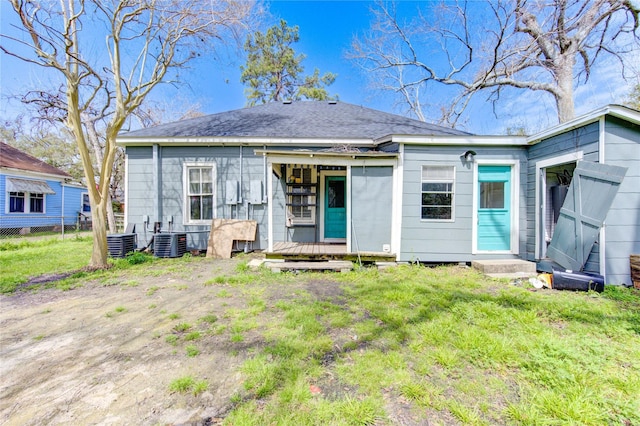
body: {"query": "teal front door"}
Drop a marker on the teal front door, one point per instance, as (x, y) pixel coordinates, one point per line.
(494, 208)
(335, 208)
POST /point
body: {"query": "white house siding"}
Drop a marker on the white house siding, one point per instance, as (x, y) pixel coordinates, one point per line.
(449, 241)
(622, 229)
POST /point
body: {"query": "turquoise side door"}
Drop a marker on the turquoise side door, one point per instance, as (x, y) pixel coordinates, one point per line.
(494, 208)
(335, 207)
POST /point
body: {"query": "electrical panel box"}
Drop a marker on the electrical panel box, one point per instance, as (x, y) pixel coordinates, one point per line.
(231, 192)
(255, 193)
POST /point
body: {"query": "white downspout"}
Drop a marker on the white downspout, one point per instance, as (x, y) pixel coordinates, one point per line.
(349, 217)
(396, 212)
(603, 231)
(62, 221)
(269, 209)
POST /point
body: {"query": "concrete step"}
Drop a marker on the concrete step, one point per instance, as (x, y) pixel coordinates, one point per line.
(330, 265)
(505, 268)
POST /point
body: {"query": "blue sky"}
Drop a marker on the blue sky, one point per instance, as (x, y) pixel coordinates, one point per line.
(326, 29)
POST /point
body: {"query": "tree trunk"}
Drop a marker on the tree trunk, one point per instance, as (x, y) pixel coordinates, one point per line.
(94, 138)
(111, 217)
(564, 96)
(99, 226)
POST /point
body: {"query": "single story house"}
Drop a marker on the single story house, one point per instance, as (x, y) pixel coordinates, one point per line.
(35, 196)
(335, 173)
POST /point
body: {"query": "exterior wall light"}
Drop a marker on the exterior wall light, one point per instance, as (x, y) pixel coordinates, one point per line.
(468, 156)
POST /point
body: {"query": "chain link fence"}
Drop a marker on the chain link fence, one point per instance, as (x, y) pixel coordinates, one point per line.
(33, 226)
(20, 227)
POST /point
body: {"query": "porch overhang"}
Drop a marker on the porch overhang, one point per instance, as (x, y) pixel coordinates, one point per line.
(345, 159)
(340, 158)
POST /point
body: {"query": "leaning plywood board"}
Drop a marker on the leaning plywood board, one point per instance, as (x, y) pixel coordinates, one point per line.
(591, 193)
(225, 231)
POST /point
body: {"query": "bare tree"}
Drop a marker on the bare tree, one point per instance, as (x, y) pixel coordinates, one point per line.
(146, 41)
(545, 46)
(634, 98)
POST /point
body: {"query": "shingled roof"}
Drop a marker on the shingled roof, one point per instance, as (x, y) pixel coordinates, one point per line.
(301, 119)
(13, 158)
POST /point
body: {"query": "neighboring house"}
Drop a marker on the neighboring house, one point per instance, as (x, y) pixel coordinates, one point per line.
(36, 196)
(331, 172)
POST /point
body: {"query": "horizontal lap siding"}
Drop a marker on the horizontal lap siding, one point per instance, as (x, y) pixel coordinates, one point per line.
(72, 201)
(140, 190)
(443, 241)
(53, 204)
(622, 229)
(141, 194)
(371, 206)
(227, 165)
(583, 139)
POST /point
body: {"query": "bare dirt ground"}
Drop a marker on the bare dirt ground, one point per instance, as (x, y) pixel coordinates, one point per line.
(98, 354)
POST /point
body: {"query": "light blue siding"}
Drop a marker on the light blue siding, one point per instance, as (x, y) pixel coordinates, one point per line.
(622, 225)
(142, 196)
(622, 148)
(371, 201)
(448, 241)
(583, 139)
(53, 215)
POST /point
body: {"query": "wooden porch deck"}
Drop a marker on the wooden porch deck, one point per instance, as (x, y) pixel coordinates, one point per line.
(320, 251)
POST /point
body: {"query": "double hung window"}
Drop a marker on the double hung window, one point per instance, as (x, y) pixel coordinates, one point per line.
(199, 193)
(438, 184)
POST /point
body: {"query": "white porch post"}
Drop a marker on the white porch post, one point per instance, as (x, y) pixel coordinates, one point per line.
(349, 224)
(270, 206)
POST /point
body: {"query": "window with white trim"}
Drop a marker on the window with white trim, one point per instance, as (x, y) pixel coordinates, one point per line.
(86, 203)
(200, 192)
(26, 202)
(16, 202)
(437, 195)
(301, 194)
(36, 203)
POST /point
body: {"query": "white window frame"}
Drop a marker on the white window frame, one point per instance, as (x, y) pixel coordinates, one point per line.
(322, 201)
(186, 210)
(295, 220)
(82, 194)
(452, 180)
(27, 203)
(42, 197)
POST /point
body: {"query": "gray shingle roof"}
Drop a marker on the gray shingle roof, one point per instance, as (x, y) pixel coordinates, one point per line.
(302, 119)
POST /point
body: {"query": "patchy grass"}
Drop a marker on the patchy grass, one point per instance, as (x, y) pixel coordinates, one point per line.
(192, 350)
(448, 344)
(188, 384)
(408, 344)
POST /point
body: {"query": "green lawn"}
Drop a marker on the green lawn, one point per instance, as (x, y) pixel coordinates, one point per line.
(21, 259)
(439, 345)
(448, 346)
